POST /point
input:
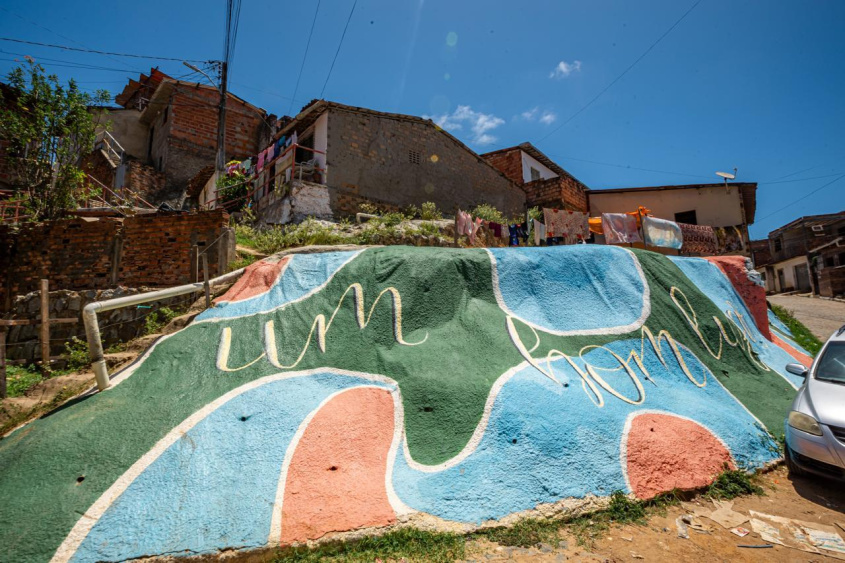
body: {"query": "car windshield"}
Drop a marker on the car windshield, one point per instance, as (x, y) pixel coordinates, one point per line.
(832, 363)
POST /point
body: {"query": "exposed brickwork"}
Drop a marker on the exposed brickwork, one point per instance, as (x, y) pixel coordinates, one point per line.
(402, 160)
(561, 193)
(152, 250)
(143, 180)
(98, 166)
(508, 163)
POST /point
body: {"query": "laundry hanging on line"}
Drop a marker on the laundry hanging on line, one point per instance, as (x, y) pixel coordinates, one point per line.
(620, 228)
(698, 239)
(662, 233)
(571, 226)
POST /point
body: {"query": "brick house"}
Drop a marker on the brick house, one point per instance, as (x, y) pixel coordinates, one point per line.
(345, 156)
(165, 131)
(808, 254)
(544, 182)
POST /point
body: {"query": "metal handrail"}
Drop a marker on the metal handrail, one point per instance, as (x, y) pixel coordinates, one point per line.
(92, 326)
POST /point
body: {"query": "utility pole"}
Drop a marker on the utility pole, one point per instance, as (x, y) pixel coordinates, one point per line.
(221, 118)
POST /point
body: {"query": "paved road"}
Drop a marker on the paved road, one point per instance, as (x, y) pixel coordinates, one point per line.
(821, 316)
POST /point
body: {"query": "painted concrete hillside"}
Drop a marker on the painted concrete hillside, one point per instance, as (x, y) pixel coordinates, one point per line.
(356, 390)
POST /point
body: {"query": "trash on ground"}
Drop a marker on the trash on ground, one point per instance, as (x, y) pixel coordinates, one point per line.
(683, 531)
(767, 532)
(806, 536)
(741, 532)
(763, 545)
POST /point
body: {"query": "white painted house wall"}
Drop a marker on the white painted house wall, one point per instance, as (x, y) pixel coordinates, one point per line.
(321, 138)
(529, 162)
(716, 206)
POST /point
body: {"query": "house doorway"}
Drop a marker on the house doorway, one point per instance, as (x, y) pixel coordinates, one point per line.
(802, 278)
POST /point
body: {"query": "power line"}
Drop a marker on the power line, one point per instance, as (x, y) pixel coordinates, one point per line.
(787, 206)
(618, 78)
(801, 179)
(302, 66)
(36, 24)
(74, 66)
(628, 167)
(13, 40)
(339, 45)
(75, 63)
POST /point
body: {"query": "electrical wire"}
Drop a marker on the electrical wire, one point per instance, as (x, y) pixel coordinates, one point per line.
(304, 56)
(802, 198)
(81, 65)
(339, 45)
(628, 167)
(618, 78)
(65, 47)
(56, 33)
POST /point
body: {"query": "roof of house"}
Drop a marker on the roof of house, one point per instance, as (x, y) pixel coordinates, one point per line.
(747, 190)
(313, 110)
(810, 221)
(161, 97)
(539, 156)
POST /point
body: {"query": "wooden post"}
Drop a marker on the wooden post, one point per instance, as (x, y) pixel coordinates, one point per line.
(194, 263)
(205, 280)
(457, 210)
(2, 362)
(44, 332)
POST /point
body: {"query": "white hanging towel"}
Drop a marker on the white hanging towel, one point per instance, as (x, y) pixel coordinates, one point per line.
(660, 232)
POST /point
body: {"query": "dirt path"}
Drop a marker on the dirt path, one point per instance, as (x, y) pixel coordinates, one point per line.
(821, 316)
(806, 499)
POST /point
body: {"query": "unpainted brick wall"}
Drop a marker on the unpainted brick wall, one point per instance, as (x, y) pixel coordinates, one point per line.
(144, 180)
(151, 250)
(508, 163)
(401, 162)
(559, 192)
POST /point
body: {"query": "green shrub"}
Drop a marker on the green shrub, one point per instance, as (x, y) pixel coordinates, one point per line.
(19, 379)
(536, 213)
(429, 212)
(155, 322)
(731, 484)
(488, 213)
(77, 354)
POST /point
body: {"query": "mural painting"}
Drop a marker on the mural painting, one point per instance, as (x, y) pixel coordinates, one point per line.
(342, 391)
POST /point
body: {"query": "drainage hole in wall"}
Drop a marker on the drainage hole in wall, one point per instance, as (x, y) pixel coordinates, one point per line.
(513, 441)
(244, 418)
(80, 479)
(428, 409)
(333, 468)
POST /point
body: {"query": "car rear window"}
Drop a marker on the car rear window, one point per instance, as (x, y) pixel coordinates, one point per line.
(832, 363)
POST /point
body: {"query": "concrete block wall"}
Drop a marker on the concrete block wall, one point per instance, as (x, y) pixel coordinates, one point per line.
(405, 161)
(76, 254)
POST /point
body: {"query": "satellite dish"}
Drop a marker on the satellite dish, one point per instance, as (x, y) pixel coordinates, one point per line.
(727, 175)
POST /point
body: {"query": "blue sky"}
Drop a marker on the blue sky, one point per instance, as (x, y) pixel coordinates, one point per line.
(756, 85)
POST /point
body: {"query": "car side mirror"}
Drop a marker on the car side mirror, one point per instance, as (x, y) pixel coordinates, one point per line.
(796, 369)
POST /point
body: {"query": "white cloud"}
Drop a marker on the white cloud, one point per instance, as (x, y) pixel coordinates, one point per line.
(548, 118)
(545, 117)
(478, 123)
(530, 115)
(564, 69)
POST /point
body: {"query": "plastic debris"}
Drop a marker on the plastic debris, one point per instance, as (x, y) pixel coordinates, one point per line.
(741, 532)
(683, 530)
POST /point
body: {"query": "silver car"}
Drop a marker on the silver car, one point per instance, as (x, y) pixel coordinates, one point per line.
(815, 428)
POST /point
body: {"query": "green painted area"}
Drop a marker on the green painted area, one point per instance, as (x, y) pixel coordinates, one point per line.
(446, 297)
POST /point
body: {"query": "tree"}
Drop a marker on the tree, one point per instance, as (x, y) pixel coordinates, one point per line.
(48, 129)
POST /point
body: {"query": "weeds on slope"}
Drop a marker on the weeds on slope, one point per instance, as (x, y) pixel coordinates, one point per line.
(733, 483)
(405, 543)
(800, 333)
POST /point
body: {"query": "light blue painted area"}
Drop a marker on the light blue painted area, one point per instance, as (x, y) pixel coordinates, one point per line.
(215, 487)
(551, 287)
(777, 323)
(545, 442)
(304, 274)
(716, 285)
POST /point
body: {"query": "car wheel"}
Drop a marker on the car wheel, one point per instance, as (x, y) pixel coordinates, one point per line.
(794, 470)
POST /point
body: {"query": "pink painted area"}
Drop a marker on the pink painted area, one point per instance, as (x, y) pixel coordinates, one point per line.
(667, 452)
(257, 279)
(336, 479)
(800, 357)
(754, 296)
